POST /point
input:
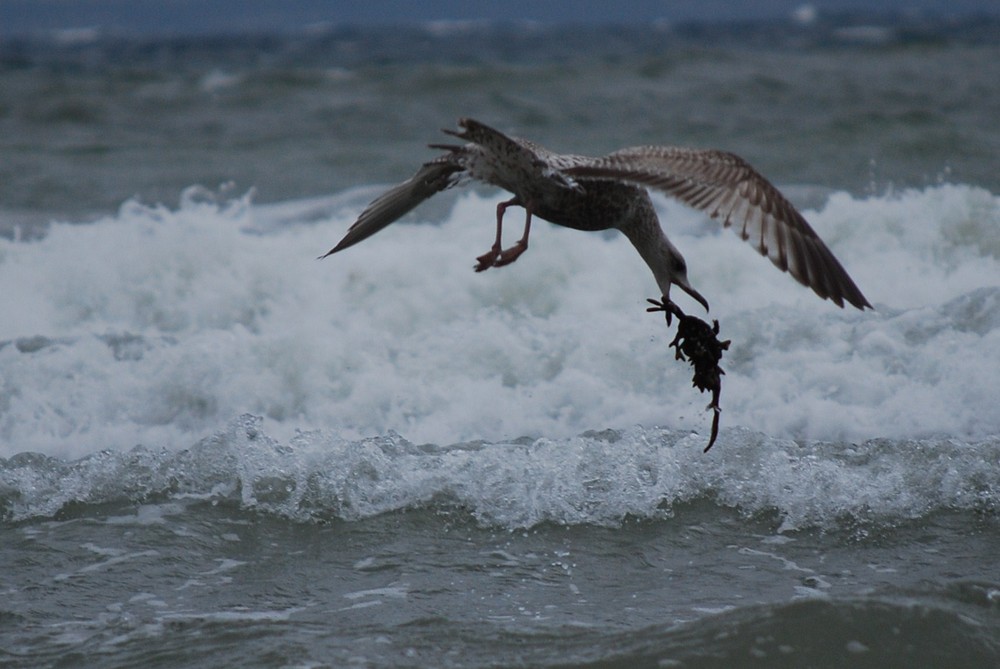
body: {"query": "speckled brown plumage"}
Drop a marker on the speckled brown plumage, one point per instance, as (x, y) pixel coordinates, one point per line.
(609, 192)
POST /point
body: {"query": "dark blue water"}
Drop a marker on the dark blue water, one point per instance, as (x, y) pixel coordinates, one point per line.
(86, 126)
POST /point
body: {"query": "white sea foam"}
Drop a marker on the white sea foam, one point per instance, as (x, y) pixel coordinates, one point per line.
(596, 478)
(158, 326)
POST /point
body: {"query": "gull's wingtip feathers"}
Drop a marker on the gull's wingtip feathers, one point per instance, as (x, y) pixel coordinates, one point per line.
(392, 205)
(729, 189)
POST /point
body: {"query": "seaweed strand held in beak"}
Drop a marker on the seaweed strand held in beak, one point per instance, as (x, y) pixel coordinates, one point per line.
(698, 343)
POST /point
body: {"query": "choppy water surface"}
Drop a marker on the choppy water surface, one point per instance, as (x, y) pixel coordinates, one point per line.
(216, 450)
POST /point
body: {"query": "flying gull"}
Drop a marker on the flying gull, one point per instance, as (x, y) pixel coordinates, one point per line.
(610, 192)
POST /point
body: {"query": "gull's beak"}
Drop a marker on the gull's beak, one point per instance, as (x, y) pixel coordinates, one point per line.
(693, 293)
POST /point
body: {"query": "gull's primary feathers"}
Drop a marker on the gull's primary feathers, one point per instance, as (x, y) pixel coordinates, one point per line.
(609, 192)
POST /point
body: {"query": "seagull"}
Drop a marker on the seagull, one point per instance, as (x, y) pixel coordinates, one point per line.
(586, 193)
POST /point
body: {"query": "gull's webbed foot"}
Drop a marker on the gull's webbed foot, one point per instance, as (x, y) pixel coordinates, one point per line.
(488, 259)
(509, 255)
(496, 257)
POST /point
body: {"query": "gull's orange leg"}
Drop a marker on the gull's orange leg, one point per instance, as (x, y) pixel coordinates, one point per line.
(509, 255)
(491, 257)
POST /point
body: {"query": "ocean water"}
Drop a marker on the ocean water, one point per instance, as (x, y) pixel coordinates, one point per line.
(216, 450)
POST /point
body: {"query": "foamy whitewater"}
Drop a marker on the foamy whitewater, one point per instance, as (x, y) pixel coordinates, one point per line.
(158, 327)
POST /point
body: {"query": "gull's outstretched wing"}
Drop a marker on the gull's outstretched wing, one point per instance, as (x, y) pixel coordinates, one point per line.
(431, 178)
(726, 187)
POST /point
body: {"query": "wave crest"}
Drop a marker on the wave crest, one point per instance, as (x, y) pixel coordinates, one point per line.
(597, 478)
